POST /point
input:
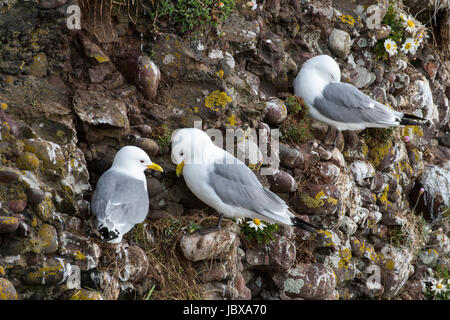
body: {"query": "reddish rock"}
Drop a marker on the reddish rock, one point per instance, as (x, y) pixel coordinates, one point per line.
(220, 244)
(12, 125)
(282, 182)
(282, 253)
(141, 70)
(275, 111)
(34, 195)
(431, 68)
(17, 206)
(8, 224)
(8, 175)
(289, 157)
(307, 281)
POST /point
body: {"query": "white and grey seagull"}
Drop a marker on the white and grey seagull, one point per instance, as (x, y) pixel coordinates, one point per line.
(342, 105)
(120, 199)
(225, 183)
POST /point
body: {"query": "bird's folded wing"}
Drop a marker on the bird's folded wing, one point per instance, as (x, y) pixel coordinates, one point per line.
(343, 102)
(236, 185)
(120, 198)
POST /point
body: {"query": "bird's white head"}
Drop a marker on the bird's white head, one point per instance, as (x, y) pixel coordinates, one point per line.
(131, 158)
(325, 66)
(189, 146)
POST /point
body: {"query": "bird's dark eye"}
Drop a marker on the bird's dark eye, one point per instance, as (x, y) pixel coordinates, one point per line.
(142, 161)
(181, 154)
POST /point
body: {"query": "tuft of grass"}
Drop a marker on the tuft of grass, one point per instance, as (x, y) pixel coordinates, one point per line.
(150, 293)
(192, 227)
(162, 136)
(186, 15)
(181, 15)
(396, 236)
(294, 104)
(176, 276)
(393, 20)
(297, 126)
(260, 236)
(377, 135)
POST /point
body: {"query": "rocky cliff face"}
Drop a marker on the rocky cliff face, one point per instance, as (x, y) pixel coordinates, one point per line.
(71, 98)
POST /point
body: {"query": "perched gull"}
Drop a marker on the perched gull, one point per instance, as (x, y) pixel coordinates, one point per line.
(226, 183)
(121, 200)
(341, 104)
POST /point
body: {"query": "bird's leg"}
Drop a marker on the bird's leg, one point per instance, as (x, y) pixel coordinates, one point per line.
(335, 138)
(131, 241)
(212, 229)
(329, 131)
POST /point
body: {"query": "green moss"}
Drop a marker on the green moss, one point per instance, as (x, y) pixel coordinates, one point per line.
(294, 104)
(180, 15)
(397, 236)
(186, 15)
(377, 135)
(297, 127)
(393, 20)
(295, 131)
(162, 135)
(261, 235)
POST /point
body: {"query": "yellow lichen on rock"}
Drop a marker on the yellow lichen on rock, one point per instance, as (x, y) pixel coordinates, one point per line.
(383, 198)
(390, 264)
(412, 131)
(7, 290)
(346, 256)
(83, 294)
(347, 19)
(378, 152)
(27, 161)
(217, 100)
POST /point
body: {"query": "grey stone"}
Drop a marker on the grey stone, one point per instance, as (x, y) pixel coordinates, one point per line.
(339, 43)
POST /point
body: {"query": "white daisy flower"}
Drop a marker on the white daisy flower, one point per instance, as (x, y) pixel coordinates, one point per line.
(421, 35)
(409, 46)
(256, 224)
(390, 46)
(410, 25)
(437, 286)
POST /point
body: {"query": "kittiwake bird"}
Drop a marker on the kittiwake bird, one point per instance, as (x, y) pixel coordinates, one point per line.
(225, 183)
(342, 105)
(120, 199)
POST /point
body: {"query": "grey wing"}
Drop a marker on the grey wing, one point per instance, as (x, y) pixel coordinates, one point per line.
(120, 198)
(343, 102)
(236, 185)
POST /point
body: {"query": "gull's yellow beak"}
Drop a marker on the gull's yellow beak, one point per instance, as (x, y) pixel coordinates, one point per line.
(180, 168)
(154, 166)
